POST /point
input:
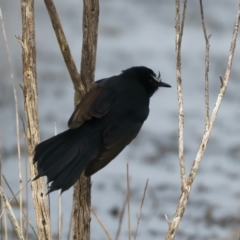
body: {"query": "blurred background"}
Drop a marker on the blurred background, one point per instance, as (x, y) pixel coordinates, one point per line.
(133, 33)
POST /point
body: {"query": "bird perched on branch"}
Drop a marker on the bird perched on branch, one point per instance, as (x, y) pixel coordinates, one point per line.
(106, 120)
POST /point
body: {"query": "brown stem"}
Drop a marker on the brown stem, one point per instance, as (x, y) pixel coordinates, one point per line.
(31, 111)
(82, 188)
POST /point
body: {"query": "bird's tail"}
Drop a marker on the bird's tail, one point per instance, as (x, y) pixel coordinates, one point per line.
(63, 157)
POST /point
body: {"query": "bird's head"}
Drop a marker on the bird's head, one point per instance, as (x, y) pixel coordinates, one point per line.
(148, 78)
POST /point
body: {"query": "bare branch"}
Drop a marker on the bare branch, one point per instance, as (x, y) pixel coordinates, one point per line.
(222, 91)
(82, 83)
(63, 44)
(185, 194)
(82, 188)
(206, 37)
(179, 34)
(31, 111)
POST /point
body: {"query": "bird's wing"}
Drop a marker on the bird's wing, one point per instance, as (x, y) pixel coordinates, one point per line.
(115, 139)
(96, 103)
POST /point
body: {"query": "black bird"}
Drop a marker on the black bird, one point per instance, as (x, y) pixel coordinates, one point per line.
(107, 119)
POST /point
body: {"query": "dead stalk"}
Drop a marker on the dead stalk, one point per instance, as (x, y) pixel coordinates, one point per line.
(16, 115)
(185, 194)
(179, 33)
(13, 219)
(101, 224)
(140, 211)
(31, 112)
(82, 83)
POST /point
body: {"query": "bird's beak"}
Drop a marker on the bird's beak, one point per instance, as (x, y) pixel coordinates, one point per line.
(163, 84)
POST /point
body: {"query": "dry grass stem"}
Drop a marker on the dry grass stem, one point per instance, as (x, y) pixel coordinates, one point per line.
(128, 204)
(16, 115)
(60, 218)
(14, 197)
(185, 194)
(13, 219)
(121, 218)
(140, 212)
(101, 223)
(19, 191)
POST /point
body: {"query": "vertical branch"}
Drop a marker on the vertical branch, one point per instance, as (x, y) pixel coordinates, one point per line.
(173, 226)
(82, 83)
(82, 188)
(89, 46)
(179, 33)
(206, 37)
(31, 107)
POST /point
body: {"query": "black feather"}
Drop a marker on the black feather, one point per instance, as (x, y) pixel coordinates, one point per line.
(107, 119)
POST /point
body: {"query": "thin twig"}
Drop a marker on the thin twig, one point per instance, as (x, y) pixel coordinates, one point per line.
(179, 34)
(63, 44)
(121, 218)
(18, 192)
(185, 195)
(101, 223)
(206, 37)
(59, 201)
(19, 40)
(16, 116)
(140, 212)
(14, 196)
(26, 179)
(128, 204)
(11, 214)
(222, 91)
(166, 217)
